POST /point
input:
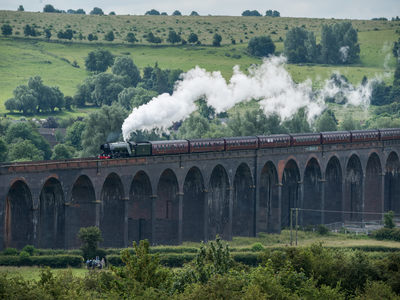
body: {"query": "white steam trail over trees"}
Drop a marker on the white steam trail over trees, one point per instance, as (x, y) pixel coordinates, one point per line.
(269, 83)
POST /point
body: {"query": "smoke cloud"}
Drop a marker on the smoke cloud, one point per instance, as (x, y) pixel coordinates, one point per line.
(344, 53)
(269, 83)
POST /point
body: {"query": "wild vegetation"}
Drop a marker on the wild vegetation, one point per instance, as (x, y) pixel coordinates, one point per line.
(216, 271)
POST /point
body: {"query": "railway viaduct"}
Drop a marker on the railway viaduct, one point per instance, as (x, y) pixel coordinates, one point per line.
(193, 197)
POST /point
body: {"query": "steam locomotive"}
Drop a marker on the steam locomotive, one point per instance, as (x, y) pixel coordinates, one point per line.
(133, 149)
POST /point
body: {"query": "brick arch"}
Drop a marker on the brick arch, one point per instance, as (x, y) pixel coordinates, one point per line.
(112, 211)
(81, 209)
(243, 202)
(333, 196)
(51, 223)
(193, 211)
(167, 209)
(139, 210)
(19, 225)
(312, 193)
(373, 187)
(268, 208)
(290, 190)
(283, 163)
(218, 204)
(354, 183)
(392, 183)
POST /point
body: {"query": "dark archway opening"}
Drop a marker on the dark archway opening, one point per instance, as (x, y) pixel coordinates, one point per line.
(218, 204)
(290, 191)
(112, 213)
(193, 206)
(268, 208)
(81, 212)
(333, 192)
(167, 209)
(139, 210)
(243, 203)
(354, 190)
(18, 221)
(373, 189)
(392, 184)
(51, 229)
(312, 201)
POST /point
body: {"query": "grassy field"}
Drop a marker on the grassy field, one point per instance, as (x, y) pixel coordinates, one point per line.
(23, 58)
(237, 28)
(33, 273)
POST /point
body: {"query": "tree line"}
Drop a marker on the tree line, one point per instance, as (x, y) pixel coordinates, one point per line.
(256, 13)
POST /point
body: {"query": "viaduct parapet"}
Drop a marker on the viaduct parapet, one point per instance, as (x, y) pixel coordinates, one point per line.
(194, 197)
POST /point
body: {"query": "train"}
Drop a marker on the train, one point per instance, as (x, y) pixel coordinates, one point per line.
(170, 147)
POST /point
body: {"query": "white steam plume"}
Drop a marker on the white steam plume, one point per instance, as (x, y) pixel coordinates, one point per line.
(344, 53)
(269, 83)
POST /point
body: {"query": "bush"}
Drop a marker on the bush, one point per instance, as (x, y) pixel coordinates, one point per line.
(177, 260)
(388, 220)
(247, 258)
(217, 40)
(257, 247)
(6, 29)
(322, 229)
(29, 249)
(10, 251)
(387, 234)
(52, 261)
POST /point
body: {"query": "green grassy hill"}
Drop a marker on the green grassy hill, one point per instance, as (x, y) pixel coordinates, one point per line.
(53, 60)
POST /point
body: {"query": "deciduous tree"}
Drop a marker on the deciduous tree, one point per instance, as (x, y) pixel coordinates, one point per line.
(152, 12)
(97, 11)
(193, 38)
(173, 37)
(124, 66)
(62, 151)
(217, 40)
(6, 29)
(102, 126)
(99, 60)
(261, 46)
(109, 36)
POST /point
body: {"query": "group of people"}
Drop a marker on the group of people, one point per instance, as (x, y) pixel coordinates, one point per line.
(95, 263)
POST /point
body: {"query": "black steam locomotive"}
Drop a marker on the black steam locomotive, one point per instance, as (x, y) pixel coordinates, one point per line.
(132, 149)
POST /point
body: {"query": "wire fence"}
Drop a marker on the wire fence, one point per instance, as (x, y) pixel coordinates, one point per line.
(335, 220)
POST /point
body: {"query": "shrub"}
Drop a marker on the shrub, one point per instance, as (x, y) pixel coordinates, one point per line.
(10, 251)
(257, 247)
(388, 219)
(322, 229)
(109, 36)
(24, 258)
(29, 249)
(387, 234)
(217, 40)
(6, 29)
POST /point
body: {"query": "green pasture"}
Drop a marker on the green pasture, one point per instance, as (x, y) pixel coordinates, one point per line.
(237, 28)
(22, 58)
(33, 273)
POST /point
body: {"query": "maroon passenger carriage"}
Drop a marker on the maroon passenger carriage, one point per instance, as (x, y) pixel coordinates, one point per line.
(169, 147)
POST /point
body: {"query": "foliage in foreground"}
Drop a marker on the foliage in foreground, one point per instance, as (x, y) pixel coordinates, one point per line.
(291, 273)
